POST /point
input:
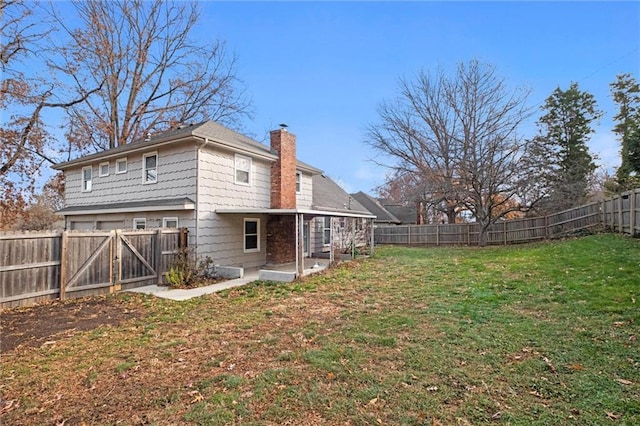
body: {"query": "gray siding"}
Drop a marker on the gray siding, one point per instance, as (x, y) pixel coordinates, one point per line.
(176, 179)
(125, 221)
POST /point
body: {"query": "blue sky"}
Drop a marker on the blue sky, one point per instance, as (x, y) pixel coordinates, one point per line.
(324, 67)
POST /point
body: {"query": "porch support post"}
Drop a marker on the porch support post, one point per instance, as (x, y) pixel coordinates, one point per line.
(300, 245)
(372, 239)
(331, 255)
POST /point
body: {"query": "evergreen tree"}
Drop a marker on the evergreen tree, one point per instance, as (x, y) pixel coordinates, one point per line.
(626, 93)
(565, 129)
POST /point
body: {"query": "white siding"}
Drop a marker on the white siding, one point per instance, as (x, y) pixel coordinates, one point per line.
(218, 189)
(304, 199)
(221, 236)
(176, 179)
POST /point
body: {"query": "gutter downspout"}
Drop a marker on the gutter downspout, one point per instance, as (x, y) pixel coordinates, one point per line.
(199, 148)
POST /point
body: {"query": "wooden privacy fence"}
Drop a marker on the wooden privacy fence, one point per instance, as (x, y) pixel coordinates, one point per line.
(620, 213)
(37, 266)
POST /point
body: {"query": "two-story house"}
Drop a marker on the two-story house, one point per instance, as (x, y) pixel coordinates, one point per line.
(245, 204)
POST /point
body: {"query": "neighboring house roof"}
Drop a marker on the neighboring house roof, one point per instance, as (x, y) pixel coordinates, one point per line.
(206, 132)
(377, 209)
(329, 196)
(134, 206)
(406, 214)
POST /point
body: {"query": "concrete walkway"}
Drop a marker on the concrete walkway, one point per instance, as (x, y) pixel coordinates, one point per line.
(249, 275)
(189, 293)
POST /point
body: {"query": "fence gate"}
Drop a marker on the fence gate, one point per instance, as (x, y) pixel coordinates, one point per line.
(111, 259)
(86, 261)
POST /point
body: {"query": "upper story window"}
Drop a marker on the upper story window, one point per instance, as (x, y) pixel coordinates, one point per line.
(87, 178)
(150, 168)
(103, 170)
(121, 165)
(243, 170)
(298, 182)
(251, 235)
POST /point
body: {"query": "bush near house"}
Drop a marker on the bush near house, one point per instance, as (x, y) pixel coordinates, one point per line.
(538, 334)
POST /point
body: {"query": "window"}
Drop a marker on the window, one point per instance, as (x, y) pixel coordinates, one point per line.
(150, 168)
(169, 222)
(251, 235)
(121, 165)
(139, 223)
(298, 182)
(87, 178)
(243, 170)
(103, 170)
(326, 231)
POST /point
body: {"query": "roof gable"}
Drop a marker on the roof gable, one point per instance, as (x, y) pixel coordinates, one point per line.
(377, 209)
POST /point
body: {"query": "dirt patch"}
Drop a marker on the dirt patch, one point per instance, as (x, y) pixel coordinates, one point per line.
(47, 322)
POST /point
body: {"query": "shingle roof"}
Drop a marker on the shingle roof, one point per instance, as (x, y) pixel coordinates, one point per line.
(327, 195)
(405, 214)
(377, 209)
(206, 130)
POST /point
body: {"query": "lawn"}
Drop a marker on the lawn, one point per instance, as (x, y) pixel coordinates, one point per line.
(541, 334)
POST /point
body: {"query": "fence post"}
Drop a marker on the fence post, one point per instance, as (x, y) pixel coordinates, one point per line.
(63, 263)
(632, 213)
(158, 255)
(546, 227)
(620, 227)
(504, 230)
(184, 238)
(468, 234)
(437, 234)
(409, 234)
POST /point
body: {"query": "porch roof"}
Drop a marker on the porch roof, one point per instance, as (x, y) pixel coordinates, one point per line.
(307, 212)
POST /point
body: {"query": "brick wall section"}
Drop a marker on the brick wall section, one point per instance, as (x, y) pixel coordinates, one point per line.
(283, 170)
(281, 239)
(281, 235)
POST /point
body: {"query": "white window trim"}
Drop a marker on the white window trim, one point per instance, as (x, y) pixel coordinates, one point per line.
(137, 220)
(120, 161)
(167, 219)
(244, 235)
(298, 182)
(105, 163)
(90, 180)
(144, 167)
(235, 170)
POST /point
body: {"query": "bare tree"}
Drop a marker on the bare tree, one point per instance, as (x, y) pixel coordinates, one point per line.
(154, 75)
(459, 136)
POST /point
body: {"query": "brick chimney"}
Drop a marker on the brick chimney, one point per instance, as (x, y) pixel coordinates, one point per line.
(283, 171)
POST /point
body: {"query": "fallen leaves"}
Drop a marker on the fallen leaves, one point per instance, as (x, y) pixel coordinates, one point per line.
(613, 416)
(8, 406)
(550, 365)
